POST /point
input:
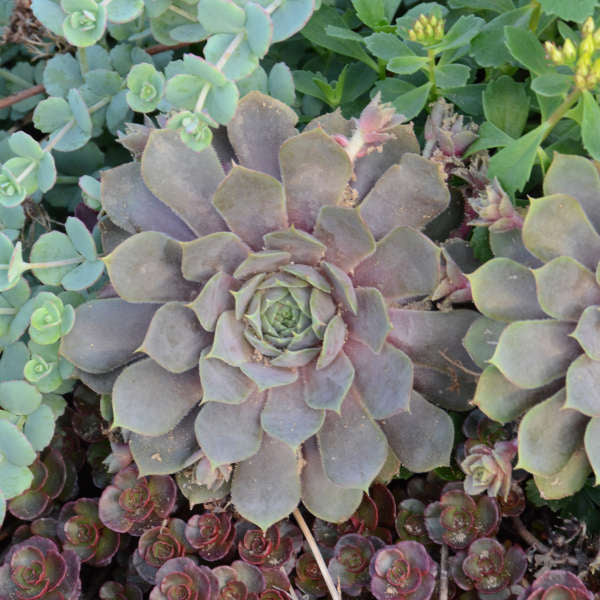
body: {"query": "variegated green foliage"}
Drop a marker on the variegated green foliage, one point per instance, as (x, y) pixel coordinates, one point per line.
(538, 339)
(238, 33)
(261, 319)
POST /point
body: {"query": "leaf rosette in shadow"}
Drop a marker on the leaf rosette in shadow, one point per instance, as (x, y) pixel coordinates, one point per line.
(538, 340)
(261, 318)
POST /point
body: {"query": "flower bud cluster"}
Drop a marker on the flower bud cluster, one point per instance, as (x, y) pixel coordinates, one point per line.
(427, 30)
(495, 210)
(580, 58)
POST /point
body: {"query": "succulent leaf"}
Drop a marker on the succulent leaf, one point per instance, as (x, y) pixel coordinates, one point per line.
(538, 453)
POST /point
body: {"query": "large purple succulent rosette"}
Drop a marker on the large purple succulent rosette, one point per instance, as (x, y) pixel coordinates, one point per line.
(538, 340)
(261, 316)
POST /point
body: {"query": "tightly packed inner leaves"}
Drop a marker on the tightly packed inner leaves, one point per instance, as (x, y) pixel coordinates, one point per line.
(263, 310)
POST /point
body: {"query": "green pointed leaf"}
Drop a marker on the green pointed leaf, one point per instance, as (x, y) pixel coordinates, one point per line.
(513, 164)
(526, 48)
(506, 105)
(590, 123)
(577, 11)
(411, 103)
(552, 84)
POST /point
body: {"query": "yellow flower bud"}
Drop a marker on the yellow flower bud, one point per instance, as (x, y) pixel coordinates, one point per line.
(557, 57)
(583, 69)
(439, 30)
(596, 38)
(418, 27)
(429, 31)
(412, 36)
(569, 51)
(433, 20)
(580, 82)
(588, 27)
(587, 46)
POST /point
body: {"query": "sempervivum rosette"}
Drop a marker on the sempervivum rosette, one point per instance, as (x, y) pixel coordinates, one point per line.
(541, 301)
(258, 320)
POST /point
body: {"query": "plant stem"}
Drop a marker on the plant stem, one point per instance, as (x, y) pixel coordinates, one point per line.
(28, 93)
(528, 536)
(560, 112)
(273, 6)
(83, 61)
(57, 263)
(534, 21)
(335, 595)
(433, 94)
(183, 13)
(49, 265)
(67, 179)
(6, 74)
(444, 573)
(235, 42)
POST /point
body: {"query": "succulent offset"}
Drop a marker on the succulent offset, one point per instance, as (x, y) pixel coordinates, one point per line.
(537, 341)
(260, 314)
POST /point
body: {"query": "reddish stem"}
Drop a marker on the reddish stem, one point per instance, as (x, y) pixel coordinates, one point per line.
(39, 89)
